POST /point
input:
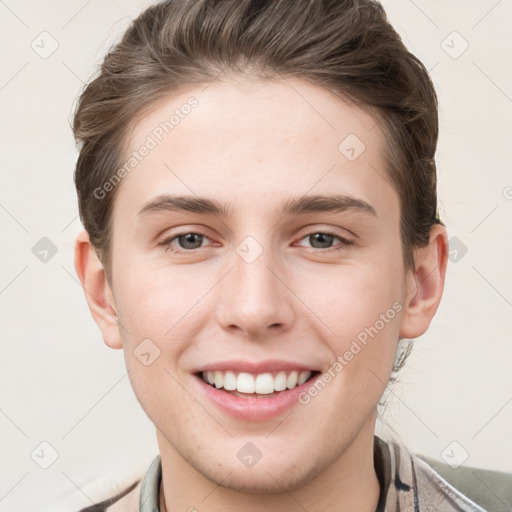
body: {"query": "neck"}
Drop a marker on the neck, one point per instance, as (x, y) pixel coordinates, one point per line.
(348, 484)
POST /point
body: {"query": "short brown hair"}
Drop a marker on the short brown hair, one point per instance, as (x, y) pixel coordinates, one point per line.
(345, 46)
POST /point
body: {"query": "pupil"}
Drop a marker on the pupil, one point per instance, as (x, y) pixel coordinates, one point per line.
(322, 238)
(187, 241)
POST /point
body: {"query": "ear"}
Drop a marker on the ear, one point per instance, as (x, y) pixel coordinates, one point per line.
(97, 291)
(425, 284)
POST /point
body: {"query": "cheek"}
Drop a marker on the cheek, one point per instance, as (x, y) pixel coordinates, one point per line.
(353, 298)
(150, 307)
(156, 310)
(360, 310)
(158, 302)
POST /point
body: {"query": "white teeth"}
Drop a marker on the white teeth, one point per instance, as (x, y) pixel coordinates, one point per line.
(264, 384)
(261, 384)
(245, 383)
(291, 381)
(230, 381)
(219, 379)
(280, 382)
(303, 377)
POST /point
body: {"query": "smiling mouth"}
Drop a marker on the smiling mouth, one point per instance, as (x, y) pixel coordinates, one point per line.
(262, 385)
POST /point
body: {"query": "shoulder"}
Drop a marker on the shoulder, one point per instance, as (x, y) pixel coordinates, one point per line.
(413, 485)
(143, 493)
(491, 489)
(129, 502)
(433, 489)
(125, 501)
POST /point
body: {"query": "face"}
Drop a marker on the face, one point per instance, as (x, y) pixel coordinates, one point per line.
(286, 258)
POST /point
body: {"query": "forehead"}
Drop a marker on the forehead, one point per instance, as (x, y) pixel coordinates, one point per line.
(241, 140)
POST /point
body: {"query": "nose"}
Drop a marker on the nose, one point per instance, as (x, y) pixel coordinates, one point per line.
(254, 298)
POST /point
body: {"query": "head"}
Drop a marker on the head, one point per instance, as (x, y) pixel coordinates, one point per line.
(257, 182)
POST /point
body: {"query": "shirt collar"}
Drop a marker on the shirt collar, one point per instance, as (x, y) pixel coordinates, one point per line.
(388, 467)
(150, 487)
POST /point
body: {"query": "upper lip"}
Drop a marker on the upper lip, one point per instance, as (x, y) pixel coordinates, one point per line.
(268, 365)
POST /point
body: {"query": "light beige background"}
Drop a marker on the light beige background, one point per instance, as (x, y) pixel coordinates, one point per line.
(60, 384)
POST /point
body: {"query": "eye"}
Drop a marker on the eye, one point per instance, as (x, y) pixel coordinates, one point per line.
(324, 240)
(189, 242)
(184, 243)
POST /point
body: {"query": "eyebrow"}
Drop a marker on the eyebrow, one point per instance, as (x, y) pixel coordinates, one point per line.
(292, 206)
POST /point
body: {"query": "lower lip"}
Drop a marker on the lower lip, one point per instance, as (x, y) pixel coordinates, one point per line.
(254, 409)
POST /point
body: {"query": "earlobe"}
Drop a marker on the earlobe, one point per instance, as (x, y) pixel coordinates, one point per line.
(97, 291)
(425, 284)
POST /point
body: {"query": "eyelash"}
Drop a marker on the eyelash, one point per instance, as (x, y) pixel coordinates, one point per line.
(343, 246)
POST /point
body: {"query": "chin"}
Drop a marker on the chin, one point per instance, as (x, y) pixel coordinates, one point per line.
(271, 482)
(265, 477)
